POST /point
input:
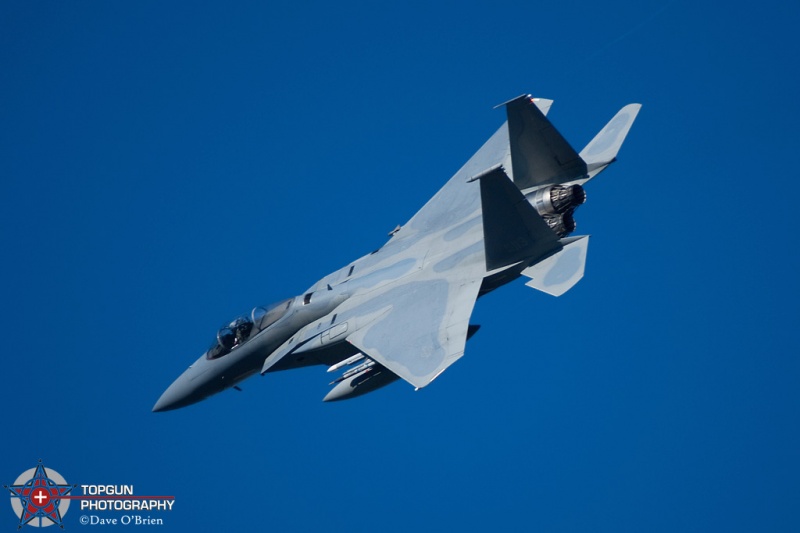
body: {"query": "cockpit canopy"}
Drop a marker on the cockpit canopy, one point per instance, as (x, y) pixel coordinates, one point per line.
(242, 328)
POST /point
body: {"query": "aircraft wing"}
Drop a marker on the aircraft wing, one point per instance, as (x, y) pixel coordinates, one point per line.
(422, 322)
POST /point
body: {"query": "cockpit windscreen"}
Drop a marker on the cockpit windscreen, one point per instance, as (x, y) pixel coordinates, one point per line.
(242, 328)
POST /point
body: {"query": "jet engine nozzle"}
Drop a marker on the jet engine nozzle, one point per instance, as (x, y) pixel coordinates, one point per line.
(557, 199)
(562, 224)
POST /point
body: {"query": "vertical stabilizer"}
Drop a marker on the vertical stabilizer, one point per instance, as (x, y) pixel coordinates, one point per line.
(539, 153)
(602, 151)
(512, 229)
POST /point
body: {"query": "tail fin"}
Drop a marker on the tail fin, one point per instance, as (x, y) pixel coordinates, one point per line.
(602, 151)
(513, 230)
(539, 153)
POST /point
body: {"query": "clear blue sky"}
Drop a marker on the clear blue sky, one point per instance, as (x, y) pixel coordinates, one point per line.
(166, 166)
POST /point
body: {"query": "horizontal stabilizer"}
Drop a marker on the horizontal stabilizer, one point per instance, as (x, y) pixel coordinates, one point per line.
(560, 272)
(602, 151)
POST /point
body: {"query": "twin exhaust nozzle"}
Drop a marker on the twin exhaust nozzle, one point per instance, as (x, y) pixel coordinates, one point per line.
(556, 204)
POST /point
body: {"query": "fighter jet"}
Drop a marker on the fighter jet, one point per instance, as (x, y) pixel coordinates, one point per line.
(403, 311)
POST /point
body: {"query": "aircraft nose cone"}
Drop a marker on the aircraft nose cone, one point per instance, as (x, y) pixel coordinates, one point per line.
(177, 395)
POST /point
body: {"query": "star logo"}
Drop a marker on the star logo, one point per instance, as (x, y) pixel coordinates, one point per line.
(37, 497)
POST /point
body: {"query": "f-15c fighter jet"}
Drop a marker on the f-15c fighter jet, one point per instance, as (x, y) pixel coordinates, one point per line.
(402, 312)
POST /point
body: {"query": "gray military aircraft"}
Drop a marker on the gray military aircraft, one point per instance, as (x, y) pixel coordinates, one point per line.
(402, 312)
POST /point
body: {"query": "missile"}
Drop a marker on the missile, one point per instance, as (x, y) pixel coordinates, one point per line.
(349, 361)
(360, 369)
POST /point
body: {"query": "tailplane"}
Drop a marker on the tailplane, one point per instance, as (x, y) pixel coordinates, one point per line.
(560, 272)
